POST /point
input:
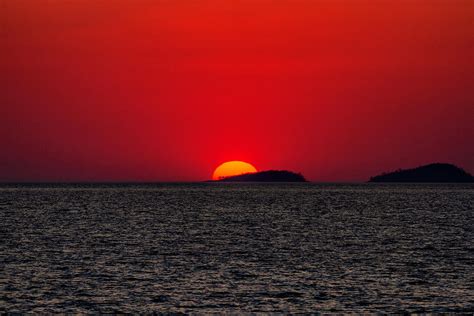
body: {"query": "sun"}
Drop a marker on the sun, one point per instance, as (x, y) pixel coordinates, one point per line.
(232, 168)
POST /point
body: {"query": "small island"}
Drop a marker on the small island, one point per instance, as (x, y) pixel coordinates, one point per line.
(266, 176)
(436, 172)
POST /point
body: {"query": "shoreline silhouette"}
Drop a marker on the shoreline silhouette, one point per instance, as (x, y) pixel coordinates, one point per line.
(266, 176)
(435, 172)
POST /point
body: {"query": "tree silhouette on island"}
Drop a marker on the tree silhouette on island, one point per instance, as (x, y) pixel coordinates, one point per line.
(436, 172)
(266, 176)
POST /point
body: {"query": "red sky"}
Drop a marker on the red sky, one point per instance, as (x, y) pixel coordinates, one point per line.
(166, 90)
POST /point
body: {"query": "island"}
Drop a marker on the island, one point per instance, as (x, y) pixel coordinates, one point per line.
(266, 176)
(435, 172)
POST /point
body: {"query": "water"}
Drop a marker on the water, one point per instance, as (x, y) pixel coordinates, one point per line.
(237, 247)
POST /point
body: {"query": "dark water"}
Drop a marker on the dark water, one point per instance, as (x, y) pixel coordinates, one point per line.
(237, 248)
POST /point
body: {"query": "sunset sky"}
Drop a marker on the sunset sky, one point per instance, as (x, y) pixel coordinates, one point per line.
(166, 90)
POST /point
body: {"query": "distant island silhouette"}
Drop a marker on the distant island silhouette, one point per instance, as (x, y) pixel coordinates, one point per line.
(436, 172)
(266, 176)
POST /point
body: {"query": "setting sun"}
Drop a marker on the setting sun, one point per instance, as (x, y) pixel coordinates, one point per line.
(232, 168)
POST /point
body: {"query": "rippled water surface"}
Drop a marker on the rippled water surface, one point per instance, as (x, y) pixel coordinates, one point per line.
(237, 247)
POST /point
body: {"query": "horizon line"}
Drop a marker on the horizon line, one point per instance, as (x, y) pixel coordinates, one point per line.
(153, 182)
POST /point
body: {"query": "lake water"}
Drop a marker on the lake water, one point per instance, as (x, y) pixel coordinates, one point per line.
(215, 247)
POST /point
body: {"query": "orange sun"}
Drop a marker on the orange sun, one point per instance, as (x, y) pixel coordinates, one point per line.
(232, 168)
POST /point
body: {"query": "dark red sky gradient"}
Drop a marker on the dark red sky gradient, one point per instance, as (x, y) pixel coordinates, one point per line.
(167, 90)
